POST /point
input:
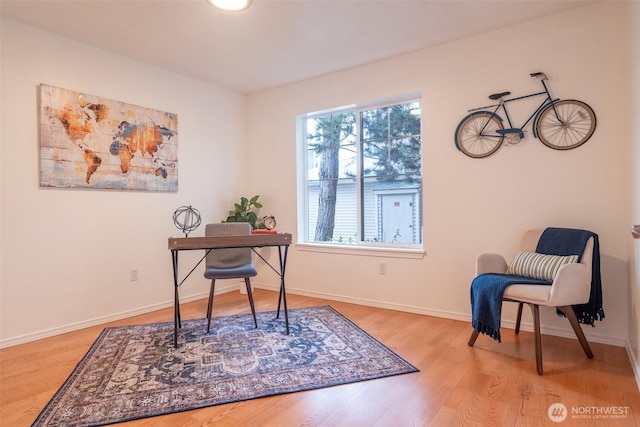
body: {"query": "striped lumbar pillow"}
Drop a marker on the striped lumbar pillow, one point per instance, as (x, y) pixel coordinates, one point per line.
(538, 266)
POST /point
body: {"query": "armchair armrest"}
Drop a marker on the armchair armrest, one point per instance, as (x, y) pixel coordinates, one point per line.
(491, 263)
(572, 285)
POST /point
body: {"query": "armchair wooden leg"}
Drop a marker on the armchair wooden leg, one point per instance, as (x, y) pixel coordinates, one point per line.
(571, 315)
(473, 337)
(250, 294)
(538, 338)
(210, 306)
(519, 317)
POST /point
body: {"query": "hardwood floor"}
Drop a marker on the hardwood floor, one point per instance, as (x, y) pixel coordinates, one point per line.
(490, 384)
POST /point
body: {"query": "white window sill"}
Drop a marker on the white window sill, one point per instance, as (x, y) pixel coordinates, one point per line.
(375, 251)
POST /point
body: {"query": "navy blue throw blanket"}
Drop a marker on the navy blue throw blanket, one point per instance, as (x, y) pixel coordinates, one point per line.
(569, 241)
(488, 289)
(486, 300)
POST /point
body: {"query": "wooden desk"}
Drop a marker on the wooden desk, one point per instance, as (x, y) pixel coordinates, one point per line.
(177, 244)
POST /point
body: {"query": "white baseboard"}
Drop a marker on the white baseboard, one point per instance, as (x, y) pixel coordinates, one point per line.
(46, 333)
(371, 303)
(465, 317)
(635, 363)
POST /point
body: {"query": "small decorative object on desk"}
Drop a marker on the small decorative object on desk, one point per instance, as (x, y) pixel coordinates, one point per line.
(269, 222)
(187, 219)
(268, 226)
(264, 231)
(245, 211)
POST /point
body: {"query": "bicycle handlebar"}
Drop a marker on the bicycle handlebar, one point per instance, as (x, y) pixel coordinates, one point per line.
(538, 75)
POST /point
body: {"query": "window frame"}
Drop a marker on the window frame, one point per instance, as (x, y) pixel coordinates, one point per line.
(360, 247)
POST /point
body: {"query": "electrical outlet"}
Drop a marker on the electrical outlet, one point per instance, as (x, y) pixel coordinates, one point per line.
(133, 274)
(382, 268)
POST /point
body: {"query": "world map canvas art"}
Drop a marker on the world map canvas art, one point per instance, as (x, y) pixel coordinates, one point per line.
(87, 141)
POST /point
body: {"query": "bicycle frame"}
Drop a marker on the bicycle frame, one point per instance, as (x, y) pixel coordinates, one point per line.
(547, 101)
(560, 124)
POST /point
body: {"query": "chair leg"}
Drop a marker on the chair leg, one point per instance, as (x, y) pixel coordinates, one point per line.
(538, 338)
(210, 306)
(519, 317)
(250, 294)
(473, 338)
(571, 315)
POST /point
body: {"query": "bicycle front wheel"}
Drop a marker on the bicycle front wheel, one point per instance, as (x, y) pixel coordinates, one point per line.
(476, 135)
(566, 124)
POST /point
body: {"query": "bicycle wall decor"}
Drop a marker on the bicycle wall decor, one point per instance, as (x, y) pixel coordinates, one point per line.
(558, 124)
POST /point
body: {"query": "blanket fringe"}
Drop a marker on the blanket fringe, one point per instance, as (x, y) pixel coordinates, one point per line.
(586, 318)
(483, 328)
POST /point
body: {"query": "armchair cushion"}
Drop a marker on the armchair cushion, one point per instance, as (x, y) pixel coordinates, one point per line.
(538, 266)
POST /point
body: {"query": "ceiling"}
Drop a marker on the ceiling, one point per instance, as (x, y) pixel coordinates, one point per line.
(274, 42)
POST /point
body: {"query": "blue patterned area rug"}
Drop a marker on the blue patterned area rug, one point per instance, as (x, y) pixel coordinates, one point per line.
(135, 372)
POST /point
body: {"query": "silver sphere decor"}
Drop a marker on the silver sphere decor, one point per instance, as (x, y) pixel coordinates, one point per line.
(187, 219)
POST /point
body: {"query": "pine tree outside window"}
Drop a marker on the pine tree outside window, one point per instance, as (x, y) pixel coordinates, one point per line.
(362, 175)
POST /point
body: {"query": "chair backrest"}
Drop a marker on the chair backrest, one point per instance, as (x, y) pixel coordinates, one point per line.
(530, 242)
(228, 258)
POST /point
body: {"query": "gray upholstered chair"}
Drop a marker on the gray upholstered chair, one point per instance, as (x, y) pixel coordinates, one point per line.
(570, 285)
(236, 263)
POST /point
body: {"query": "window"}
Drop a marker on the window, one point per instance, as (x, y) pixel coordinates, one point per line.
(362, 175)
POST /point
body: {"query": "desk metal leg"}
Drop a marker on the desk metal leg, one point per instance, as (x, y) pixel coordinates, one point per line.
(176, 303)
(283, 292)
(176, 283)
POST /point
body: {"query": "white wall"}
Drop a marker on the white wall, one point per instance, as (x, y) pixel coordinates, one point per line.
(634, 253)
(66, 254)
(475, 205)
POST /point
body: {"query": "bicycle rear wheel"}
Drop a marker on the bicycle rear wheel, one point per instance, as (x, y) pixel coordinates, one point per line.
(476, 135)
(566, 124)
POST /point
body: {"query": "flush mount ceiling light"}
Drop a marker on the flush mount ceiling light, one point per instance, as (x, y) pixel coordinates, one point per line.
(231, 5)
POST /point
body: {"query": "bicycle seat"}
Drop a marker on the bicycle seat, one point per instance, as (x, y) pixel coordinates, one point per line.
(499, 95)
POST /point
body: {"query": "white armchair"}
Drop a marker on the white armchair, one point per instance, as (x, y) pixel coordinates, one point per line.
(571, 285)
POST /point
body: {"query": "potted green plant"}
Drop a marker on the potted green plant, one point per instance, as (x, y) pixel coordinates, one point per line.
(245, 211)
